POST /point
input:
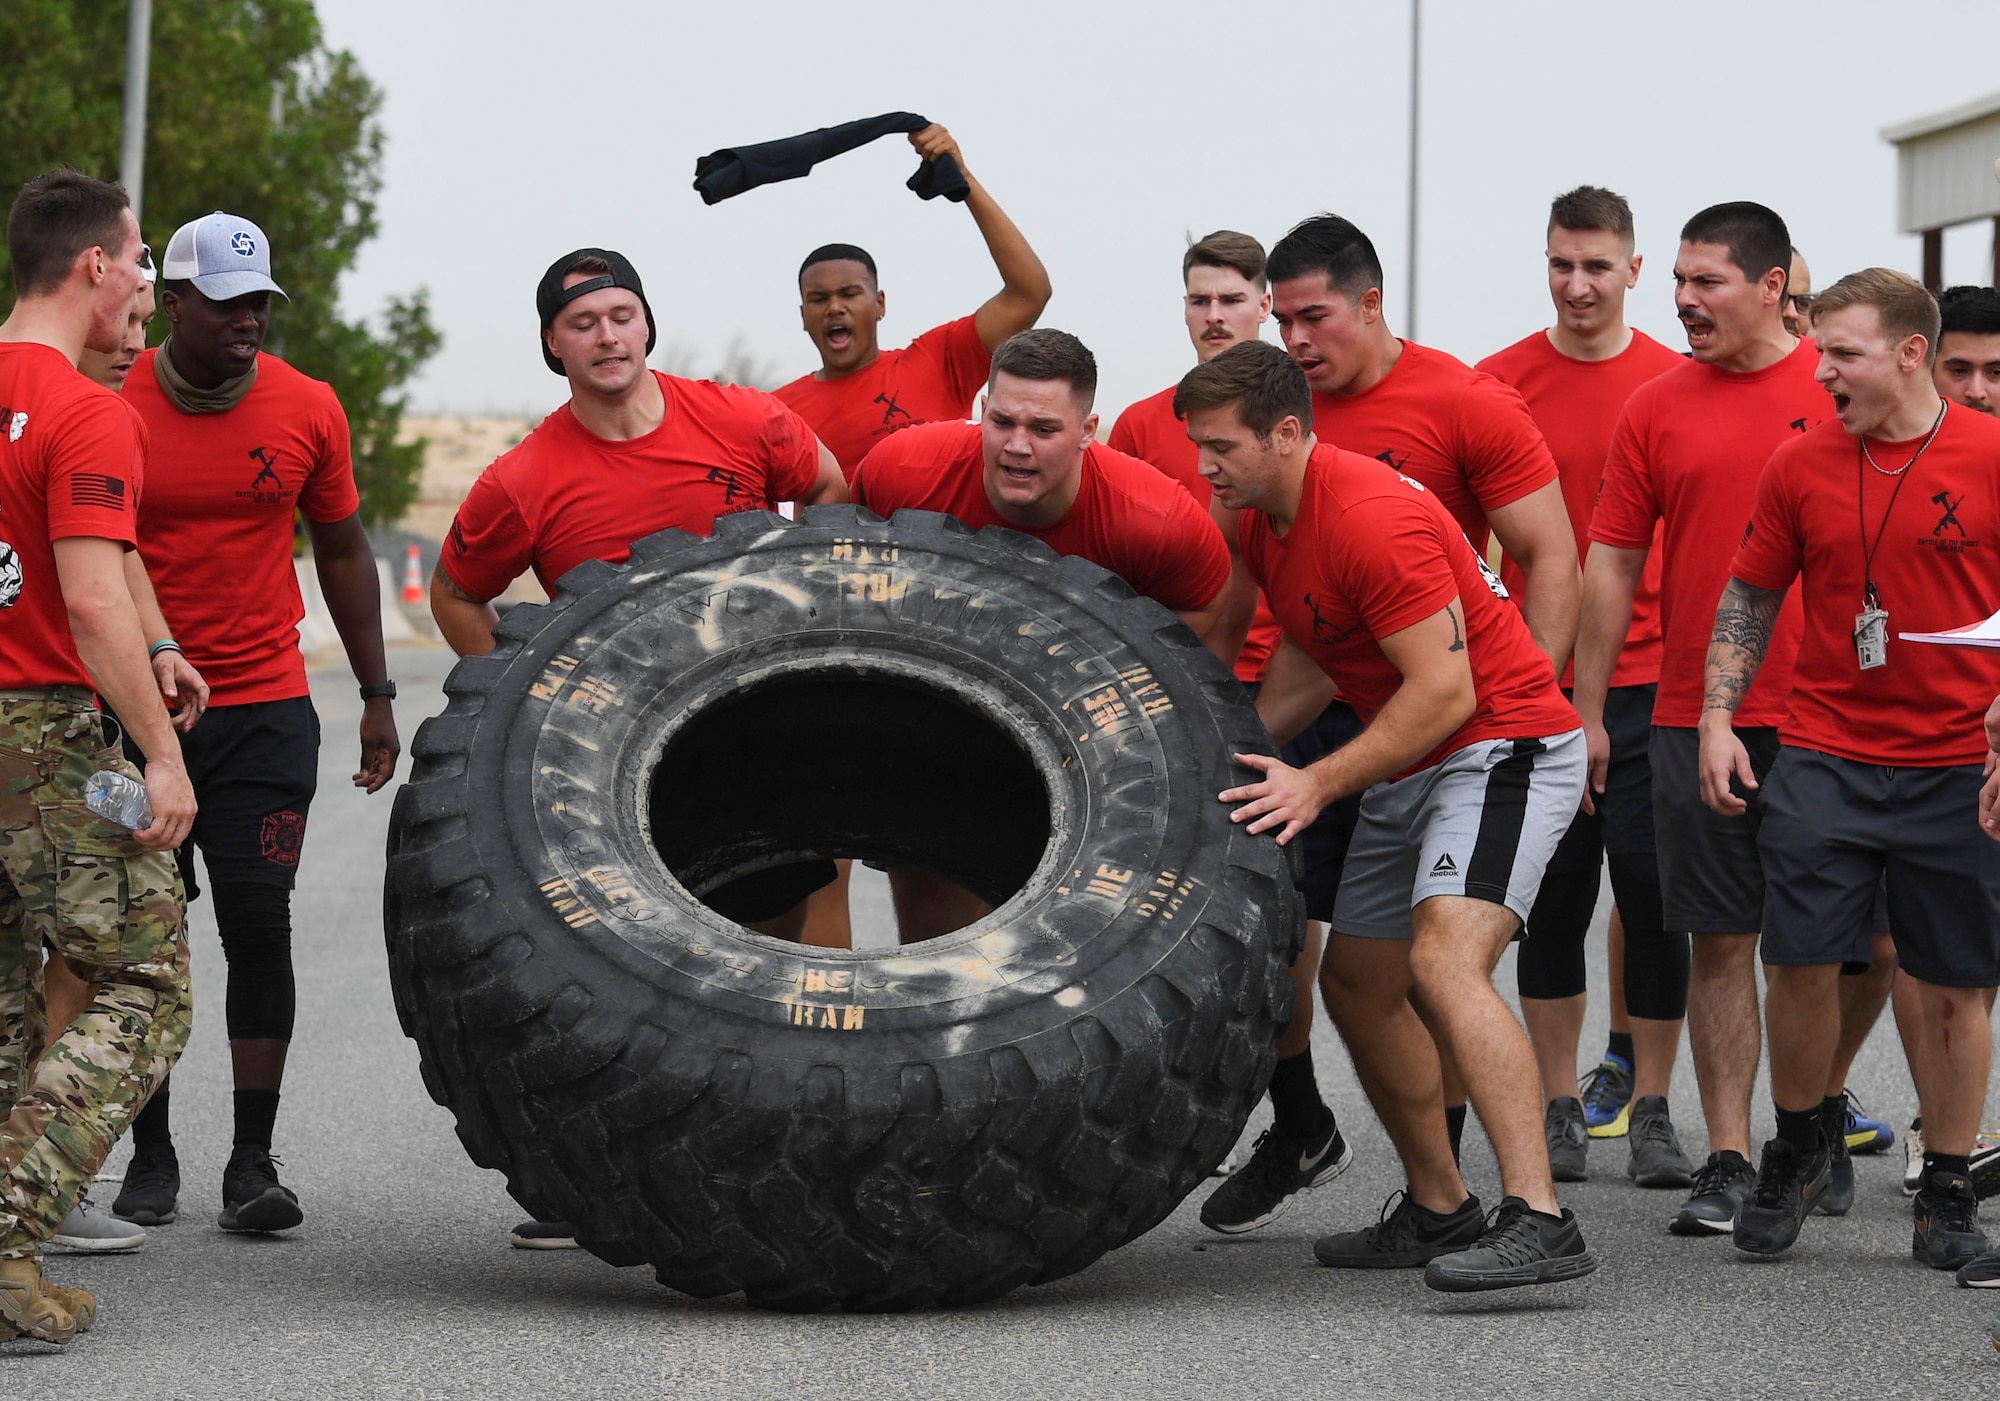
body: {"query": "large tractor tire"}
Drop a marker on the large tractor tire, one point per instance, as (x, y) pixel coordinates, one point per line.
(865, 1129)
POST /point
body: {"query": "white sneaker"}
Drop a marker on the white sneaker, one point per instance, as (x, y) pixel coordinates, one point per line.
(1913, 1157)
(87, 1228)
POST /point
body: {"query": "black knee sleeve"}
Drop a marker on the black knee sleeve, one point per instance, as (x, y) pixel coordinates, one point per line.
(1550, 963)
(1656, 962)
(255, 922)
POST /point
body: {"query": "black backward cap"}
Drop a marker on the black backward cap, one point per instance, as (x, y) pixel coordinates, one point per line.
(551, 296)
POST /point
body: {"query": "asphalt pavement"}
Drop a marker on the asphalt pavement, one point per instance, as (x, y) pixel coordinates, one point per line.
(401, 1283)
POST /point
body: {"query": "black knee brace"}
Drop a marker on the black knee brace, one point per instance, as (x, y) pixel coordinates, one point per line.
(1550, 963)
(1656, 962)
(255, 922)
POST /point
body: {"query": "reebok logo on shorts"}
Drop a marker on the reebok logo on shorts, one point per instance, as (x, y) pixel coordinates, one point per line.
(1445, 866)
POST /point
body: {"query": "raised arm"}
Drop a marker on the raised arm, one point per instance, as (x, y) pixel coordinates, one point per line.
(1743, 621)
(1024, 282)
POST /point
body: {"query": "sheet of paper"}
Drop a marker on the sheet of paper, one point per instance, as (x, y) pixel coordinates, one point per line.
(1986, 634)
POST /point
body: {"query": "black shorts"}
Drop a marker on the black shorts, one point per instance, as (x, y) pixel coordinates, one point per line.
(1623, 822)
(1835, 829)
(1711, 879)
(1327, 840)
(254, 768)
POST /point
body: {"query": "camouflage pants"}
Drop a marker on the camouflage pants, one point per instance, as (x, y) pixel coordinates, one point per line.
(83, 887)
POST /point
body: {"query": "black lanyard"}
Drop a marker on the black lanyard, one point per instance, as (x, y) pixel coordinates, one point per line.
(1870, 597)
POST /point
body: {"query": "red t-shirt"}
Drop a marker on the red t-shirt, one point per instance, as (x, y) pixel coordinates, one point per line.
(1149, 431)
(70, 466)
(1126, 516)
(930, 380)
(1687, 452)
(1576, 404)
(215, 526)
(1464, 435)
(1372, 553)
(1937, 567)
(563, 495)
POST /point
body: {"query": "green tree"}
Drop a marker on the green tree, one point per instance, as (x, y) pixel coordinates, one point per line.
(247, 110)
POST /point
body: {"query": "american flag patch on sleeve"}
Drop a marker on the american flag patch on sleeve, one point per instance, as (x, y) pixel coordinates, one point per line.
(96, 489)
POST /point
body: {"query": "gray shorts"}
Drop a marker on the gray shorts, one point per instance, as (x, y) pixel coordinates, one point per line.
(1483, 823)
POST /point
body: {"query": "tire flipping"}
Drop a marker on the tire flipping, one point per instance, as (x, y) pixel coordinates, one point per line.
(818, 1128)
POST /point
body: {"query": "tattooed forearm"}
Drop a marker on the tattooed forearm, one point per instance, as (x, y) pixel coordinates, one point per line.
(1743, 622)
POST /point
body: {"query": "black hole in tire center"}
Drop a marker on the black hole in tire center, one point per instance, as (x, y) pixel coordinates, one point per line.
(812, 766)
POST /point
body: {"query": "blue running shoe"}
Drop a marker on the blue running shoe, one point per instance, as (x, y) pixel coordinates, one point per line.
(1865, 1135)
(1607, 1097)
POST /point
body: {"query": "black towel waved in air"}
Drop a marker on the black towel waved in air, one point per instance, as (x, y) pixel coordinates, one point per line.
(723, 174)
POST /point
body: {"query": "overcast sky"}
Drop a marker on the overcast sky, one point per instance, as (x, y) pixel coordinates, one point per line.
(518, 130)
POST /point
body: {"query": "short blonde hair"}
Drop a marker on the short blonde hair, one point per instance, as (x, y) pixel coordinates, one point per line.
(1900, 300)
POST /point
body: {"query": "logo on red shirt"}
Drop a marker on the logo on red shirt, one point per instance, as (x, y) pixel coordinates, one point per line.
(1948, 520)
(267, 488)
(10, 575)
(282, 836)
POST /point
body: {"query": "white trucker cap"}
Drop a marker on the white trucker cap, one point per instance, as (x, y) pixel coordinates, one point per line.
(223, 255)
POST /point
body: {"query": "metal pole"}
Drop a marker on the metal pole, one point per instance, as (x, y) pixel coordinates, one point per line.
(1416, 54)
(138, 49)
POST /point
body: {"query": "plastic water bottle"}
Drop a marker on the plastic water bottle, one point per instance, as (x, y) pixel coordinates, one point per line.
(116, 798)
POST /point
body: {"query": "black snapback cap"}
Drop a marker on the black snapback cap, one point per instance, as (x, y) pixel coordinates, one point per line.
(551, 296)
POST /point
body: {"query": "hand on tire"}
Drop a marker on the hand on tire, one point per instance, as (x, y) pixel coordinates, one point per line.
(1285, 795)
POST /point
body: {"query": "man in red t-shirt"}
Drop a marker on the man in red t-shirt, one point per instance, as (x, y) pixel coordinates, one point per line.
(1682, 467)
(1470, 763)
(240, 443)
(1465, 436)
(1882, 747)
(862, 393)
(1575, 378)
(633, 452)
(1968, 358)
(1226, 302)
(104, 897)
(1031, 464)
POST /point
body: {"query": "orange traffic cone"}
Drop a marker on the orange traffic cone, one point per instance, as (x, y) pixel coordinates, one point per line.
(413, 577)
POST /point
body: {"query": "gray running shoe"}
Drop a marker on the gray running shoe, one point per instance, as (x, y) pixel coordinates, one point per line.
(1721, 1186)
(1562, 1125)
(87, 1228)
(1981, 1273)
(1520, 1247)
(1913, 1157)
(1657, 1159)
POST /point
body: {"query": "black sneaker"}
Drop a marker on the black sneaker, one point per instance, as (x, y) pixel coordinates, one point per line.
(151, 1195)
(1789, 1185)
(1405, 1236)
(1839, 1198)
(1947, 1233)
(1520, 1247)
(1719, 1189)
(1562, 1125)
(1259, 1192)
(1657, 1158)
(252, 1197)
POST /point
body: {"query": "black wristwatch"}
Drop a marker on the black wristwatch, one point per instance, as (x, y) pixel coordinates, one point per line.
(381, 690)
